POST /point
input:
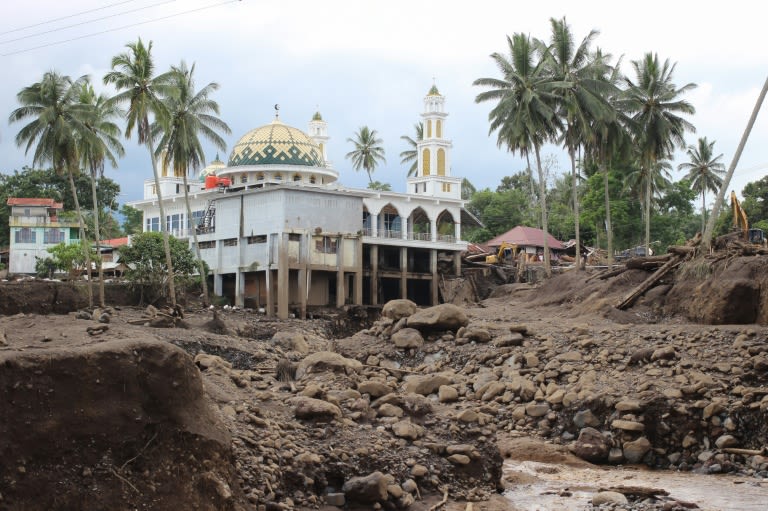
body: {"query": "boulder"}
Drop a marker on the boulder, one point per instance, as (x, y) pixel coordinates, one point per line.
(425, 384)
(366, 490)
(326, 361)
(309, 408)
(635, 450)
(397, 309)
(591, 446)
(445, 316)
(374, 388)
(408, 338)
(609, 497)
(447, 394)
(407, 429)
(291, 341)
(477, 334)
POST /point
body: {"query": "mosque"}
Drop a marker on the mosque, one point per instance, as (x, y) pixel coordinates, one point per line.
(280, 233)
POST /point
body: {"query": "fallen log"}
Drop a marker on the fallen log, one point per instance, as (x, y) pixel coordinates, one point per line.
(744, 452)
(647, 263)
(682, 250)
(648, 283)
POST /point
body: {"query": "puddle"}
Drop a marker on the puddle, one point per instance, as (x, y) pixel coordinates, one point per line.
(536, 486)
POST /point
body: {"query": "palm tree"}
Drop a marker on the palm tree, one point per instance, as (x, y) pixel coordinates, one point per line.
(133, 76)
(412, 155)
(58, 122)
(704, 171)
(191, 114)
(582, 98)
(654, 104)
(368, 152)
(524, 115)
(103, 145)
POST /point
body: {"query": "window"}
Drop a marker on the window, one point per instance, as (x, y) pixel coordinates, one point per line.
(153, 190)
(254, 240)
(441, 162)
(244, 178)
(152, 224)
(196, 217)
(173, 223)
(27, 212)
(53, 236)
(426, 163)
(312, 179)
(326, 245)
(416, 188)
(292, 236)
(296, 177)
(230, 242)
(439, 128)
(447, 187)
(278, 177)
(25, 235)
(206, 245)
(259, 177)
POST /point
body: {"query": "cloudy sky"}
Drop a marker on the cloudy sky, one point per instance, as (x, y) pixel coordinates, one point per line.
(371, 63)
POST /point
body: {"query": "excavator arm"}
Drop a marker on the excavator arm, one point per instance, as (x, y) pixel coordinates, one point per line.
(740, 221)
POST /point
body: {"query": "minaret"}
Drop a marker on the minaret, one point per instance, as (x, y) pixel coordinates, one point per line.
(318, 132)
(433, 175)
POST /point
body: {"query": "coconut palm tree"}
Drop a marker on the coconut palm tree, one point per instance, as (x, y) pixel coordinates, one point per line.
(704, 171)
(368, 152)
(59, 120)
(133, 76)
(411, 155)
(191, 114)
(654, 104)
(582, 98)
(524, 116)
(94, 151)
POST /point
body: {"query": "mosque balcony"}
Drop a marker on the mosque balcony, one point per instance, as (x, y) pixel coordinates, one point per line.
(397, 237)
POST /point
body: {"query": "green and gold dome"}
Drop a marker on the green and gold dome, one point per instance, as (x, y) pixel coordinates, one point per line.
(276, 144)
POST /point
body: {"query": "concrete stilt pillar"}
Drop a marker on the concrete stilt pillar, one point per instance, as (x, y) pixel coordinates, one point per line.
(457, 263)
(303, 288)
(374, 274)
(357, 294)
(218, 284)
(283, 276)
(239, 288)
(403, 272)
(270, 305)
(435, 277)
(340, 287)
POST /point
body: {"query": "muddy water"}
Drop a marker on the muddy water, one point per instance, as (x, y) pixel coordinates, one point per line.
(536, 486)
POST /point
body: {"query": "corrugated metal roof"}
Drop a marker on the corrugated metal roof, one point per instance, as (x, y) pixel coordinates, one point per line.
(21, 201)
(525, 236)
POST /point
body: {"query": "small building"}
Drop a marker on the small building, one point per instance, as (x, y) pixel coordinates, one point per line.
(35, 226)
(529, 240)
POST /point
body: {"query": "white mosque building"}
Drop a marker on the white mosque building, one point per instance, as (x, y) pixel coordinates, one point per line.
(286, 235)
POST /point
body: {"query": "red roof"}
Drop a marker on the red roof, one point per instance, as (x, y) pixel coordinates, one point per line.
(525, 237)
(115, 242)
(48, 203)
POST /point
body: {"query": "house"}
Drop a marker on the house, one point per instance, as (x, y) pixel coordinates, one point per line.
(530, 240)
(279, 231)
(35, 226)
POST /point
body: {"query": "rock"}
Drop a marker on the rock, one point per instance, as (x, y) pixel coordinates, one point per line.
(447, 394)
(629, 405)
(374, 388)
(609, 497)
(665, 353)
(326, 361)
(477, 334)
(591, 446)
(628, 425)
(408, 338)
(419, 470)
(425, 384)
(468, 416)
(407, 429)
(713, 409)
(459, 459)
(635, 450)
(725, 441)
(570, 356)
(314, 409)
(584, 418)
(370, 489)
(335, 499)
(397, 309)
(512, 339)
(615, 456)
(291, 341)
(534, 409)
(211, 362)
(492, 390)
(389, 410)
(445, 316)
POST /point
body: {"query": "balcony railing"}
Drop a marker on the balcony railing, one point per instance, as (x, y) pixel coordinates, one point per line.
(413, 236)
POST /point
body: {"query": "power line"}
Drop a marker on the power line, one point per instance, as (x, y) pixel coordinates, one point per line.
(38, 34)
(65, 17)
(118, 28)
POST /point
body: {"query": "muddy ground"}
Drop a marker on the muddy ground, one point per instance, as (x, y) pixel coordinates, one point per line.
(366, 411)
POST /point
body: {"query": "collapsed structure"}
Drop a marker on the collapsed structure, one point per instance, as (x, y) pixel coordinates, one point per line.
(279, 232)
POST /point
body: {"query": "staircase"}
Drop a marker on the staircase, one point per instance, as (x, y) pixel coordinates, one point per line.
(207, 223)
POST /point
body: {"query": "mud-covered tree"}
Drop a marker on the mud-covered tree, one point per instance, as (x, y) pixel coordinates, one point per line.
(148, 272)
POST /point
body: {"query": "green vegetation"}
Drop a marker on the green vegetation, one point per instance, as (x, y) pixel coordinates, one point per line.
(368, 152)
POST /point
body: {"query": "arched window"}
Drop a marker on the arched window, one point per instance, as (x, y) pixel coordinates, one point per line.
(312, 179)
(441, 162)
(429, 128)
(278, 177)
(260, 177)
(427, 164)
(439, 128)
(296, 177)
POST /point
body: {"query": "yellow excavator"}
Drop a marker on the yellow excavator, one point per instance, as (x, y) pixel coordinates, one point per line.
(507, 253)
(741, 224)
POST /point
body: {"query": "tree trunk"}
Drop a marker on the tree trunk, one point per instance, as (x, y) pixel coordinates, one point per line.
(83, 240)
(576, 207)
(163, 227)
(648, 211)
(200, 265)
(608, 226)
(97, 235)
(703, 212)
(531, 185)
(543, 200)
